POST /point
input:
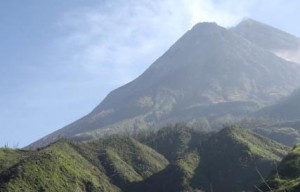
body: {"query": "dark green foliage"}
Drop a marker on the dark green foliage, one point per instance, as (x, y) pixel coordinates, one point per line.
(225, 161)
(175, 177)
(103, 165)
(174, 141)
(127, 160)
(286, 176)
(232, 158)
(56, 168)
(9, 157)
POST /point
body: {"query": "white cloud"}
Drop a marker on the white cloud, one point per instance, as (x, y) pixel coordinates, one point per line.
(225, 13)
(117, 40)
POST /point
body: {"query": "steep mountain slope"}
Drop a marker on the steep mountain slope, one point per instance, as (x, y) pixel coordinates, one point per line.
(56, 168)
(176, 177)
(9, 157)
(286, 177)
(107, 165)
(281, 43)
(124, 159)
(288, 135)
(285, 118)
(206, 69)
(230, 160)
(287, 109)
(223, 161)
(233, 159)
(174, 141)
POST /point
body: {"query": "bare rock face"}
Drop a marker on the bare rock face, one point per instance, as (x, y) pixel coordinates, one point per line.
(209, 72)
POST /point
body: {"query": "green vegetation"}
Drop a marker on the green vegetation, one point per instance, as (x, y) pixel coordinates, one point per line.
(56, 168)
(175, 158)
(187, 166)
(284, 134)
(175, 177)
(286, 176)
(104, 165)
(257, 144)
(174, 142)
(232, 158)
(9, 157)
(127, 160)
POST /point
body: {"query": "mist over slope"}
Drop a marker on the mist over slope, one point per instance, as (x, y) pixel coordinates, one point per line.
(209, 73)
(279, 42)
(288, 109)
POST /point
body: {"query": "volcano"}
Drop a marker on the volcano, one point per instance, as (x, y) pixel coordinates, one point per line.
(209, 73)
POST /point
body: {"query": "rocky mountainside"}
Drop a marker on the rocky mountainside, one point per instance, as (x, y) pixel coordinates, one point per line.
(279, 42)
(173, 159)
(209, 73)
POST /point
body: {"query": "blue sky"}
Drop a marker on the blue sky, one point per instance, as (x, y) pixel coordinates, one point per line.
(59, 59)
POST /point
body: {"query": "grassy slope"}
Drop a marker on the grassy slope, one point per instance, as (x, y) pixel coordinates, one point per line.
(285, 134)
(286, 178)
(9, 157)
(56, 168)
(258, 145)
(225, 161)
(232, 158)
(124, 159)
(179, 145)
(104, 165)
(175, 177)
(174, 142)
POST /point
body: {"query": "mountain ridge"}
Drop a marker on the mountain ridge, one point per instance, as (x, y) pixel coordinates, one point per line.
(280, 39)
(288, 109)
(280, 43)
(207, 66)
(174, 159)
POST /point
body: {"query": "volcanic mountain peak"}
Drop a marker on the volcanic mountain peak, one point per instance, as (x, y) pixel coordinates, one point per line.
(210, 71)
(282, 44)
(207, 28)
(266, 36)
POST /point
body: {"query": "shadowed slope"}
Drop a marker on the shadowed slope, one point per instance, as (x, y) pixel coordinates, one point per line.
(105, 165)
(232, 160)
(286, 177)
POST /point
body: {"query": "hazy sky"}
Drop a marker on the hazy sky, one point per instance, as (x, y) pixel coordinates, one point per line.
(59, 59)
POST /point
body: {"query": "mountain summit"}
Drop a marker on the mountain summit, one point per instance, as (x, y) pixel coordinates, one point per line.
(209, 72)
(279, 42)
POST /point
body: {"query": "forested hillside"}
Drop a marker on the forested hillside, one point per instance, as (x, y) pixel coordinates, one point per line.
(175, 158)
